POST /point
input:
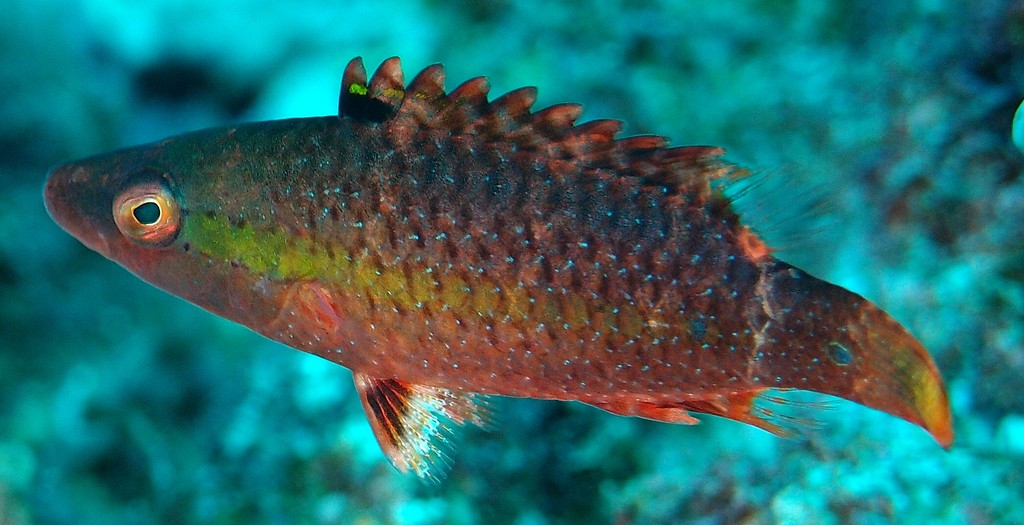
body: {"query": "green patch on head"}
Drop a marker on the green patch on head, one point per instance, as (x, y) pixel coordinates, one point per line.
(274, 254)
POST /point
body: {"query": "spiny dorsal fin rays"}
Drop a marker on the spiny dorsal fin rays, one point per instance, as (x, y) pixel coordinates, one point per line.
(512, 109)
(429, 83)
(388, 82)
(468, 102)
(412, 423)
(558, 119)
(424, 106)
(427, 96)
(354, 75)
(356, 101)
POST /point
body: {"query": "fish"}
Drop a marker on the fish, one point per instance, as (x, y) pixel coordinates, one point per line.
(446, 248)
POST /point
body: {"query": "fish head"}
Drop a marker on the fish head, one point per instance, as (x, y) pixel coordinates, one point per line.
(144, 208)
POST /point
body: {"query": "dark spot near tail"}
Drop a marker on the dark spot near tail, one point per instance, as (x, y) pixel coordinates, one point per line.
(839, 354)
(698, 329)
(186, 246)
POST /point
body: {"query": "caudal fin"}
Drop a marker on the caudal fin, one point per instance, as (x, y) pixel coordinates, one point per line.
(847, 347)
(899, 376)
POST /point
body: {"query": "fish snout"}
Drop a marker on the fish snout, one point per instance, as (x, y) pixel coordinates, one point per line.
(73, 202)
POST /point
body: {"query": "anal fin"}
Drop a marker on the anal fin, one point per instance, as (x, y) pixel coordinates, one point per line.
(412, 423)
(648, 410)
(751, 407)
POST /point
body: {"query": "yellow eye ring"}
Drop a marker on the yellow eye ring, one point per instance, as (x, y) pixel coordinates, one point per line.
(147, 214)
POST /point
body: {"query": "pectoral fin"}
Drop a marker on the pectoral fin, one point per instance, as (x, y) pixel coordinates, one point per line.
(412, 423)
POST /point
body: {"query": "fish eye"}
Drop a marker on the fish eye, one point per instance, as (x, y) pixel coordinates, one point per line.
(148, 214)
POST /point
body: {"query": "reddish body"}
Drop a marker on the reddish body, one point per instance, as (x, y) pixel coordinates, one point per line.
(441, 246)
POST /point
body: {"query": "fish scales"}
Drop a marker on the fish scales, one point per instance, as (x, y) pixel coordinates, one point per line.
(454, 233)
(444, 248)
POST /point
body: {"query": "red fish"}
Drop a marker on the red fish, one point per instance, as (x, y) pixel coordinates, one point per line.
(445, 247)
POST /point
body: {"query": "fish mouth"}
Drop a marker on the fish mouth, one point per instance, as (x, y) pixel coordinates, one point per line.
(68, 197)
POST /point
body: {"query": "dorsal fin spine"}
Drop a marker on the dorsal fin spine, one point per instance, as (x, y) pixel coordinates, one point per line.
(552, 131)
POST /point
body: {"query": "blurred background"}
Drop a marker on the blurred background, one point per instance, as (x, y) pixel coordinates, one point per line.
(121, 404)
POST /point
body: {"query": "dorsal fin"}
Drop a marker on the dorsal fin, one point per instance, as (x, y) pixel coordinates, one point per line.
(356, 100)
(552, 131)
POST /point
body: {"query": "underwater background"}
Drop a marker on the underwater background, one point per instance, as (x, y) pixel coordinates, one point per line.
(883, 131)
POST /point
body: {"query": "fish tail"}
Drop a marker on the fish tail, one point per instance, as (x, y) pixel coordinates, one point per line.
(900, 378)
(852, 349)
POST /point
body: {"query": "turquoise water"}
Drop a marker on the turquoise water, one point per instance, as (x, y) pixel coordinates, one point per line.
(120, 404)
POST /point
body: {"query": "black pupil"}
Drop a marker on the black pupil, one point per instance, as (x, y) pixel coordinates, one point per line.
(147, 213)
